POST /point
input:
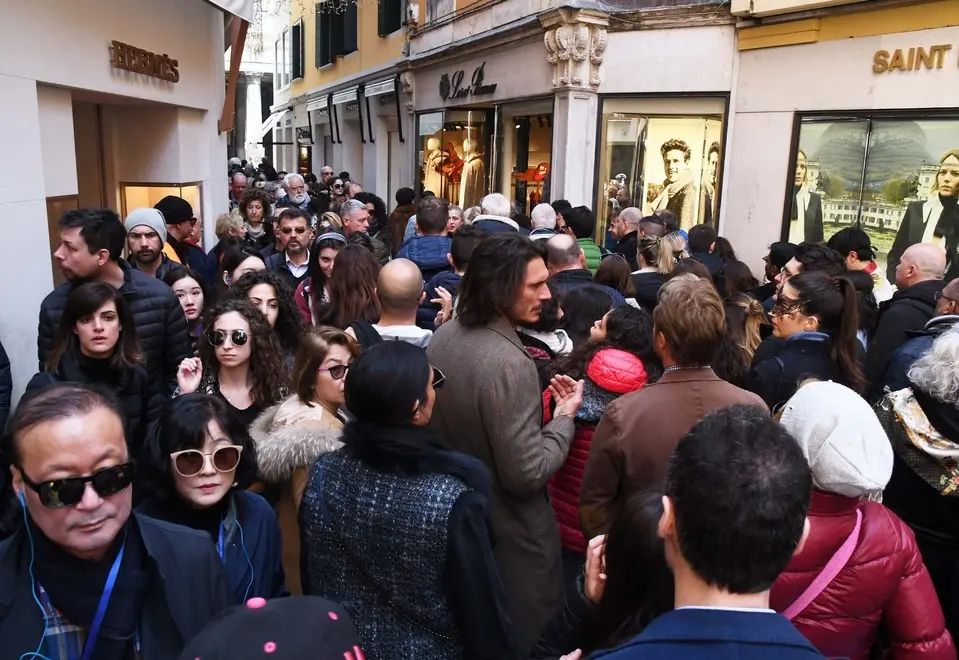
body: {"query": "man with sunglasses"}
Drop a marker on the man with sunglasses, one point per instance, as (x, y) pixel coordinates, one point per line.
(293, 263)
(180, 220)
(84, 577)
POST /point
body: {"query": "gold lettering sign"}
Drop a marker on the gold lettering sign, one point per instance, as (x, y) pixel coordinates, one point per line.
(130, 58)
(911, 59)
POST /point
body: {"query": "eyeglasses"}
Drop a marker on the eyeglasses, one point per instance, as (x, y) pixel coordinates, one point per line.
(289, 230)
(438, 378)
(337, 185)
(190, 462)
(59, 493)
(785, 306)
(218, 337)
(337, 371)
(940, 295)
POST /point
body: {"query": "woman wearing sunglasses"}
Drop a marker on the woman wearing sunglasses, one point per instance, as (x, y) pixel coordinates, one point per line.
(269, 293)
(817, 316)
(240, 361)
(291, 436)
(198, 461)
(96, 343)
(395, 526)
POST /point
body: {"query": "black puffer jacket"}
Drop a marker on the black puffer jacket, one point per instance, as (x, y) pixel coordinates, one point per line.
(160, 324)
(140, 405)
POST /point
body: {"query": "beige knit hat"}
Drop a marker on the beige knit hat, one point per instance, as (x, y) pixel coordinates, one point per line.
(847, 449)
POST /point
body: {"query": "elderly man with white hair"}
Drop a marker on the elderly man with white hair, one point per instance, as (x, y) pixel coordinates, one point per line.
(495, 216)
(295, 187)
(543, 219)
(356, 220)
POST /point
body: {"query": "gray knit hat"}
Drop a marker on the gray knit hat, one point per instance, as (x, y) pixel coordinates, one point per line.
(147, 217)
(838, 432)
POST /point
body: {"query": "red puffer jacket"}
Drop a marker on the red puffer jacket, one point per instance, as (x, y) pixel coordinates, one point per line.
(610, 374)
(884, 583)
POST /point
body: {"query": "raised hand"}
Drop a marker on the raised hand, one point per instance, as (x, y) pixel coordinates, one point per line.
(568, 395)
(594, 579)
(189, 374)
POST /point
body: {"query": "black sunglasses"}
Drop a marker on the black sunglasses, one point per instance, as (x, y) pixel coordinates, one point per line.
(337, 371)
(58, 493)
(218, 337)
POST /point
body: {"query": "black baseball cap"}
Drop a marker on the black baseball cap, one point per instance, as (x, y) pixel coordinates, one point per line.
(852, 239)
(281, 629)
(780, 253)
(174, 209)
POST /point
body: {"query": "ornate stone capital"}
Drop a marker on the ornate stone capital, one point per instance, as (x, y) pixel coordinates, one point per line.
(406, 82)
(575, 42)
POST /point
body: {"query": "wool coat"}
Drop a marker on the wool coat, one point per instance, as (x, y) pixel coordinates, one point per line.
(490, 407)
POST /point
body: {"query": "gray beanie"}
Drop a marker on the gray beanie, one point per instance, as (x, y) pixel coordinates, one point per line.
(838, 432)
(148, 217)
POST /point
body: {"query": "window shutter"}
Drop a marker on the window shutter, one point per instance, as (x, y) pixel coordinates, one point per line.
(389, 16)
(349, 29)
(297, 51)
(383, 18)
(320, 42)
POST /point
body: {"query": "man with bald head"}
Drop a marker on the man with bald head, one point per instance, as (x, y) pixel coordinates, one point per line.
(567, 267)
(399, 289)
(919, 279)
(625, 229)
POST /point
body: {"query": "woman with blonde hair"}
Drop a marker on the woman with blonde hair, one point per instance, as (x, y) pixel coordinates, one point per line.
(290, 436)
(744, 319)
(657, 257)
(330, 221)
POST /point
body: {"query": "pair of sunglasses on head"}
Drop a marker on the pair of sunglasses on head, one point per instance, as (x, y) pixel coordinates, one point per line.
(59, 493)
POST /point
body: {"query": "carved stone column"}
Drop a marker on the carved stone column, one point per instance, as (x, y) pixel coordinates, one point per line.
(575, 41)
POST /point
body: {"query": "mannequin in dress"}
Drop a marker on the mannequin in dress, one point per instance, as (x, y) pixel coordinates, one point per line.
(432, 177)
(474, 174)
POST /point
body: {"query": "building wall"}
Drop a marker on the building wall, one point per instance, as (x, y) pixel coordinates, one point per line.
(56, 52)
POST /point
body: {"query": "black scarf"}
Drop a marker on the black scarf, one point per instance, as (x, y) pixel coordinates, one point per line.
(947, 227)
(177, 511)
(411, 451)
(75, 586)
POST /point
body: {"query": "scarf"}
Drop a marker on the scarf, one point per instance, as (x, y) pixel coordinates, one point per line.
(179, 512)
(255, 233)
(947, 227)
(75, 586)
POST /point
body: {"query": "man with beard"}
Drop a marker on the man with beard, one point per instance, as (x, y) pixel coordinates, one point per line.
(296, 195)
(679, 194)
(91, 242)
(293, 263)
(84, 576)
(146, 234)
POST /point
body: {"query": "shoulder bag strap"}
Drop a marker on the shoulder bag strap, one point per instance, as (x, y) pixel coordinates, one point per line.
(828, 573)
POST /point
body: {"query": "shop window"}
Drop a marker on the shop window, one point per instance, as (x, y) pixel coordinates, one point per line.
(524, 142)
(897, 176)
(389, 16)
(453, 154)
(296, 50)
(661, 154)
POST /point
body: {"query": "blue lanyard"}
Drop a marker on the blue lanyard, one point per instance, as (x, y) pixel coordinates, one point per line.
(220, 549)
(94, 630)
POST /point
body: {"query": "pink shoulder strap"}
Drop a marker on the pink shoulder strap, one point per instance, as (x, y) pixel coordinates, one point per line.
(828, 573)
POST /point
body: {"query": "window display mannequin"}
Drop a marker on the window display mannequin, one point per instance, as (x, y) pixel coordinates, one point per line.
(432, 177)
(472, 185)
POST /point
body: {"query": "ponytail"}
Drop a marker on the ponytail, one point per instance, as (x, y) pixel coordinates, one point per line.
(845, 338)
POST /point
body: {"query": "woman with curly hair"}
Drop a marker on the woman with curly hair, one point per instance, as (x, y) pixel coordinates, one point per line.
(270, 294)
(255, 209)
(241, 362)
(314, 291)
(618, 359)
(352, 289)
(379, 217)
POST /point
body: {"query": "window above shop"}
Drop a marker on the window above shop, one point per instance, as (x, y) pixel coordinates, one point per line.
(389, 16)
(283, 59)
(336, 32)
(296, 50)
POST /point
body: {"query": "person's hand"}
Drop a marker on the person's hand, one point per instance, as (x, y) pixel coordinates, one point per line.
(445, 300)
(568, 395)
(188, 375)
(575, 655)
(594, 578)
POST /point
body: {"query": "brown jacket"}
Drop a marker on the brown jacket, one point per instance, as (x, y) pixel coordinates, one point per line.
(638, 432)
(286, 448)
(399, 218)
(491, 407)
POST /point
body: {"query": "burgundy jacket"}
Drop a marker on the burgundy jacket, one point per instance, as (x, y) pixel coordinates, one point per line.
(884, 583)
(610, 374)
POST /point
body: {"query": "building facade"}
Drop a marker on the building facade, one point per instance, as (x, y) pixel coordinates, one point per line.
(114, 103)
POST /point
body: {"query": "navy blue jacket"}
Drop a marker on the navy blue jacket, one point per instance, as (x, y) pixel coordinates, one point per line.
(694, 634)
(429, 253)
(895, 377)
(567, 280)
(426, 314)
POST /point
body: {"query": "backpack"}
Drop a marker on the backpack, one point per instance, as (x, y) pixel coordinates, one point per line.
(365, 333)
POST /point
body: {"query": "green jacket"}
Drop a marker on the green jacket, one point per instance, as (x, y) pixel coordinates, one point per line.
(594, 253)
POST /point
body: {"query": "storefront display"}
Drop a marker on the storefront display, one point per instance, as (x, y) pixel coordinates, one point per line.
(139, 195)
(524, 153)
(662, 154)
(895, 177)
(453, 154)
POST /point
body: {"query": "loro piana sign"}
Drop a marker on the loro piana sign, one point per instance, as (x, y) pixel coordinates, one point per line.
(136, 60)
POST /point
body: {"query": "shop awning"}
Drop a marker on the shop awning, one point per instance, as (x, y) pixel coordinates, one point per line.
(241, 8)
(380, 87)
(346, 96)
(317, 104)
(271, 121)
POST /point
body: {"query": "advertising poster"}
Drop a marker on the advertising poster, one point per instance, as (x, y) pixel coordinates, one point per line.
(897, 179)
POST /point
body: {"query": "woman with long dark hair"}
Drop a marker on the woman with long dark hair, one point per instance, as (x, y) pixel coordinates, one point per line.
(352, 289)
(583, 307)
(198, 462)
(817, 316)
(739, 279)
(238, 261)
(615, 273)
(313, 292)
(188, 286)
(603, 612)
(373, 511)
(96, 343)
(868, 307)
(240, 361)
(270, 294)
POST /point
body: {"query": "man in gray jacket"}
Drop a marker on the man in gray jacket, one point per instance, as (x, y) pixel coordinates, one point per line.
(490, 407)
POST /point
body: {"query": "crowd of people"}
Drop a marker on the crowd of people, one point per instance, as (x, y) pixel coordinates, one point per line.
(434, 432)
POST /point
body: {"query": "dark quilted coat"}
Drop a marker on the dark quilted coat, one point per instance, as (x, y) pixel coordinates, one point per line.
(884, 584)
(160, 324)
(610, 374)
